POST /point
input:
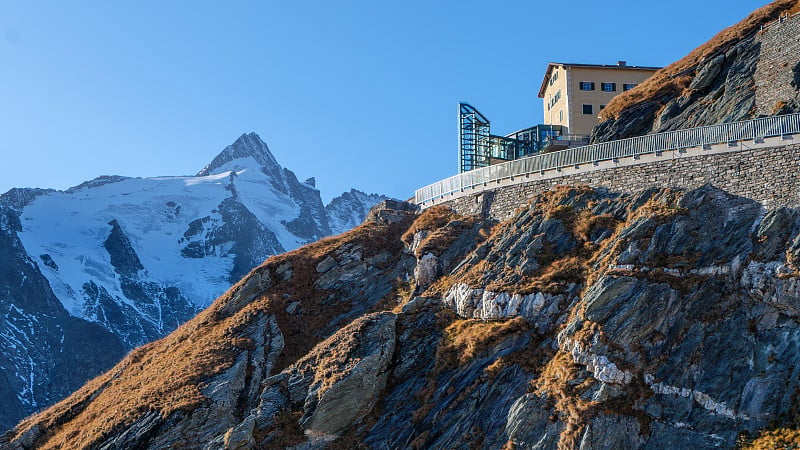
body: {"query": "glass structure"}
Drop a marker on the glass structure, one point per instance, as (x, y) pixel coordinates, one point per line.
(479, 148)
(473, 138)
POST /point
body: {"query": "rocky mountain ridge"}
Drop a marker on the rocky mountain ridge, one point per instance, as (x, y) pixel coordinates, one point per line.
(126, 260)
(745, 71)
(589, 319)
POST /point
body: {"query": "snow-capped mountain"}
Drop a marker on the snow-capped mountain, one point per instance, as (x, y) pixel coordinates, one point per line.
(127, 260)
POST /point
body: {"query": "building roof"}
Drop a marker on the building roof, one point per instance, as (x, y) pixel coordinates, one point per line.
(619, 65)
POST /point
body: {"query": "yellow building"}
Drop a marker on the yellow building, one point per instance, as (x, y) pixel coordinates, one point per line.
(574, 94)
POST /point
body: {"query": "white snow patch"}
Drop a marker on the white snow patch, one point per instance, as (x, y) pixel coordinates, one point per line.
(154, 213)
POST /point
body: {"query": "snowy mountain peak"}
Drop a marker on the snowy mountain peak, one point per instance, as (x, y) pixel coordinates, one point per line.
(116, 262)
(248, 146)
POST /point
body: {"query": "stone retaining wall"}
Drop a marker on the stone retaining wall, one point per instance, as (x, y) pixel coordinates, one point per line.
(769, 175)
(778, 65)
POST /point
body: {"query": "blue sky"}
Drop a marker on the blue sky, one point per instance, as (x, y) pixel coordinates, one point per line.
(356, 93)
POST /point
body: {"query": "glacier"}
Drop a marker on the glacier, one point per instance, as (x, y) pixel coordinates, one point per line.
(139, 256)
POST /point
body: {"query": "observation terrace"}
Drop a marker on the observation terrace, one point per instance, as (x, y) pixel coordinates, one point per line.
(741, 157)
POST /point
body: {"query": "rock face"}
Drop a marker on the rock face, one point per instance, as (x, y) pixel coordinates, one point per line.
(45, 353)
(744, 72)
(331, 406)
(349, 209)
(722, 90)
(589, 319)
(138, 257)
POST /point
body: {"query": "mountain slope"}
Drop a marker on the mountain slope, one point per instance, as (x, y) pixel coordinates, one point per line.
(587, 320)
(155, 250)
(140, 256)
(45, 353)
(734, 76)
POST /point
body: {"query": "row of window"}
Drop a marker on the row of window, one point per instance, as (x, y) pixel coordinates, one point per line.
(589, 109)
(553, 77)
(605, 87)
(554, 99)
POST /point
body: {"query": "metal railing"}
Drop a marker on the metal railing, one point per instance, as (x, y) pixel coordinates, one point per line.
(569, 137)
(606, 151)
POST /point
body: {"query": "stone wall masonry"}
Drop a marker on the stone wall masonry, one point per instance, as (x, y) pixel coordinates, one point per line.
(768, 175)
(779, 55)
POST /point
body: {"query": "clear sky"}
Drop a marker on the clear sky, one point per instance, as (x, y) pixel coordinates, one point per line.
(356, 93)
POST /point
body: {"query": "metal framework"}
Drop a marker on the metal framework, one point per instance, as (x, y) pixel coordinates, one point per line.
(478, 147)
(473, 138)
(731, 133)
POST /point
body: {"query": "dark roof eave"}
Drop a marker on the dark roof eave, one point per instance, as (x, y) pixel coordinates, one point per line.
(609, 66)
(596, 66)
(546, 77)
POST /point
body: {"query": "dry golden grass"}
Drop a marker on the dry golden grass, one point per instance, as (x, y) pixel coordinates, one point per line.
(672, 80)
(573, 410)
(530, 358)
(402, 293)
(660, 208)
(780, 439)
(333, 358)
(431, 219)
(558, 382)
(554, 277)
(587, 223)
(464, 339)
(572, 207)
(168, 375)
(439, 240)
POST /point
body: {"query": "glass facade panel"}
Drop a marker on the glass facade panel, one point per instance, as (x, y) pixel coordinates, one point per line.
(479, 148)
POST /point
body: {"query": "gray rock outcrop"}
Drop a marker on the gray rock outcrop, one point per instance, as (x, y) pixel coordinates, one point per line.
(664, 319)
(736, 79)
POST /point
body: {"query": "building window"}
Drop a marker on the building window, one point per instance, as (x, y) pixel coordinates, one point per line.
(561, 116)
(628, 86)
(602, 107)
(587, 109)
(555, 99)
(553, 77)
(587, 85)
(609, 87)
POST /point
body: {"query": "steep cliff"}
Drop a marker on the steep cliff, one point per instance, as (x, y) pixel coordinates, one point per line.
(587, 320)
(748, 70)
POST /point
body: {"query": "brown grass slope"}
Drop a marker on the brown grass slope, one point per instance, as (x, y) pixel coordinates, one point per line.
(674, 79)
(463, 366)
(167, 376)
